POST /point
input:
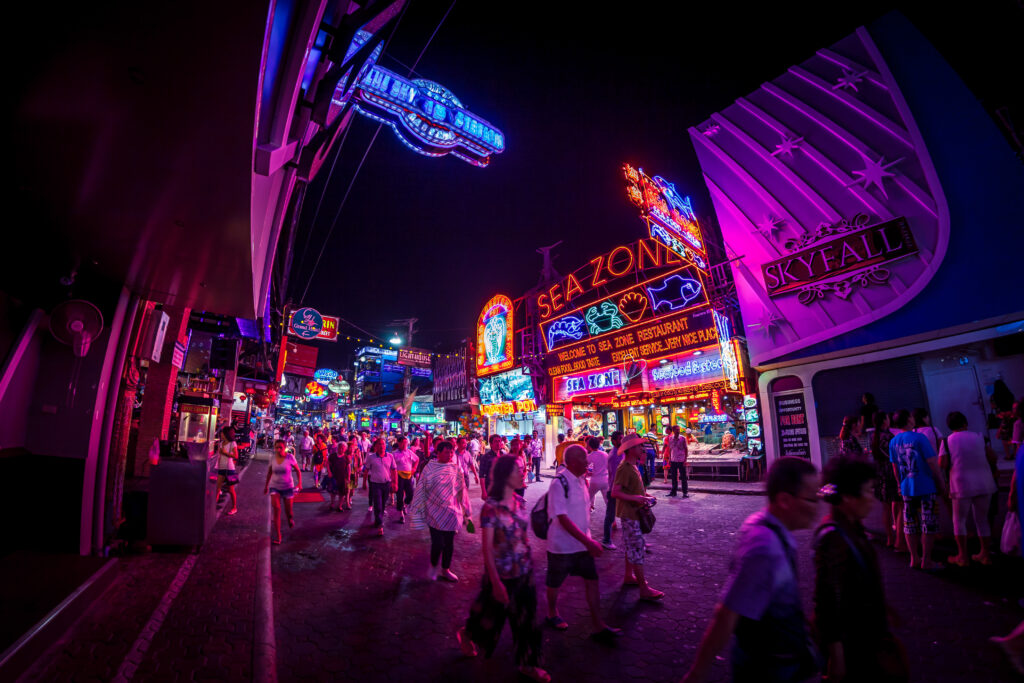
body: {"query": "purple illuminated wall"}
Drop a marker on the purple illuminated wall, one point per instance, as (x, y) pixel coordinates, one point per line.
(800, 171)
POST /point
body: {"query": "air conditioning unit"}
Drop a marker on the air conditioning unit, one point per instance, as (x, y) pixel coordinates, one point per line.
(153, 342)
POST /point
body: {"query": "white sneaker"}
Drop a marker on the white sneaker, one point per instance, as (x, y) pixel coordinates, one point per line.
(447, 575)
(432, 573)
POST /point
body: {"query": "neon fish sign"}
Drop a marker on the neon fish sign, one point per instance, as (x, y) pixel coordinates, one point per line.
(669, 215)
(427, 117)
(674, 293)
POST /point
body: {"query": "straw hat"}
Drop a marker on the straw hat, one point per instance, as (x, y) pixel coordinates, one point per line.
(629, 441)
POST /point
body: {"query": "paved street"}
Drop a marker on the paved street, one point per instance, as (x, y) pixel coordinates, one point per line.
(350, 606)
(354, 606)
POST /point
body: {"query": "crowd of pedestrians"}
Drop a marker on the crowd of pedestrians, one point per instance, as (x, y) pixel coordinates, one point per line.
(903, 461)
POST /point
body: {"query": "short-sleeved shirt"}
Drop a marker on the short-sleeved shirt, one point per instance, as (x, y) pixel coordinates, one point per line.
(511, 546)
(534, 450)
(474, 447)
(380, 468)
(575, 505)
(486, 463)
(910, 452)
(225, 462)
(281, 472)
(406, 460)
(614, 460)
(969, 474)
(305, 444)
(627, 478)
(761, 578)
(598, 460)
(677, 449)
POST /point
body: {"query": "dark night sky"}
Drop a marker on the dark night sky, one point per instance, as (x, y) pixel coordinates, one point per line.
(577, 93)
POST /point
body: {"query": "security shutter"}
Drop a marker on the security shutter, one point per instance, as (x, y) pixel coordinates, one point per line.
(896, 383)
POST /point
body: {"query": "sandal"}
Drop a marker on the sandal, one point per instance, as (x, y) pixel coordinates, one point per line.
(536, 673)
(653, 596)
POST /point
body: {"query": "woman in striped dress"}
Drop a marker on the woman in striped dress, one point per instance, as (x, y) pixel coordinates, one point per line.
(441, 503)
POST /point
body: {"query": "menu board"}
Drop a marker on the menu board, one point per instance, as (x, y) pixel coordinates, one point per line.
(791, 414)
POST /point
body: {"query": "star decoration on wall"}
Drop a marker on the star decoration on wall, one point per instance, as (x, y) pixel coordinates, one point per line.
(874, 173)
(788, 146)
(770, 225)
(711, 130)
(849, 79)
(769, 322)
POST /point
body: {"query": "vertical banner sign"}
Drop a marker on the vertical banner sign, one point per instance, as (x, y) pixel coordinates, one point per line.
(792, 424)
(494, 340)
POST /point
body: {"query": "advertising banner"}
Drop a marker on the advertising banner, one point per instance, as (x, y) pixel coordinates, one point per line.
(791, 413)
(419, 358)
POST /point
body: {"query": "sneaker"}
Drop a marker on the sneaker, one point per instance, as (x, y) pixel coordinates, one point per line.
(232, 511)
(447, 575)
(608, 545)
(432, 573)
(686, 495)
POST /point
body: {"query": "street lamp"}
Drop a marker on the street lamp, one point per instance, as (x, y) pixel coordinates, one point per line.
(396, 340)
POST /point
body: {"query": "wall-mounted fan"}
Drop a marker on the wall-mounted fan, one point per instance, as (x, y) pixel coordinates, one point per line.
(76, 323)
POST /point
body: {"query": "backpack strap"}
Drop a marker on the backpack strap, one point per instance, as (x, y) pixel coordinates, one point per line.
(824, 531)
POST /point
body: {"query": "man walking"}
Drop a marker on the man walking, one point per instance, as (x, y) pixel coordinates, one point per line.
(761, 601)
(405, 463)
(676, 453)
(571, 550)
(464, 458)
(630, 495)
(487, 461)
(382, 472)
(305, 444)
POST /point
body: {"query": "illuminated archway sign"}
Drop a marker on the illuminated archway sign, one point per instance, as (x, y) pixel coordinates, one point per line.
(316, 391)
(427, 117)
(494, 343)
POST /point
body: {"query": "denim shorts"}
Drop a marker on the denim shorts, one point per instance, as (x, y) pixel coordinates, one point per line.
(284, 493)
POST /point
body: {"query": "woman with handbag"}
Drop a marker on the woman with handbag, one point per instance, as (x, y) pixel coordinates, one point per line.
(632, 501)
(851, 616)
(441, 504)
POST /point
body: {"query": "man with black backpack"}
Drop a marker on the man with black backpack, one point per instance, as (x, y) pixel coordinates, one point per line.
(571, 550)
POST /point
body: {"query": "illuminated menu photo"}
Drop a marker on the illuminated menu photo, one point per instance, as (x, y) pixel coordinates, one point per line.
(507, 393)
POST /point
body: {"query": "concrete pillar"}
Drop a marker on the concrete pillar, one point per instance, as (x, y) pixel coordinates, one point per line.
(159, 396)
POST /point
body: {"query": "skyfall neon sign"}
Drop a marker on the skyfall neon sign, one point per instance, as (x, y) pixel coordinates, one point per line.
(427, 117)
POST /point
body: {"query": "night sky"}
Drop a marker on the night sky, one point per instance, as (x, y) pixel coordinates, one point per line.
(577, 93)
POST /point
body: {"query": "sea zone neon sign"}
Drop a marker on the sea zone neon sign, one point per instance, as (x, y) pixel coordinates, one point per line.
(494, 341)
(427, 117)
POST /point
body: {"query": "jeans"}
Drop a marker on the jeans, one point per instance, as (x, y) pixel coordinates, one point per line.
(404, 495)
(442, 544)
(378, 492)
(651, 471)
(609, 517)
(536, 469)
(678, 470)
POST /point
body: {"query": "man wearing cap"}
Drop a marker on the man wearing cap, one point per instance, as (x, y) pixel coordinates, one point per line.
(630, 494)
(677, 451)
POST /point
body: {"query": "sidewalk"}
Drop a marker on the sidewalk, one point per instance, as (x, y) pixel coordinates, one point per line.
(736, 488)
(177, 615)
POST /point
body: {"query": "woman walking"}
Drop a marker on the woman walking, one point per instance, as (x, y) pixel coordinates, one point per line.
(336, 481)
(515, 449)
(849, 601)
(281, 486)
(227, 454)
(971, 486)
(441, 503)
(597, 463)
(507, 590)
(355, 466)
(319, 458)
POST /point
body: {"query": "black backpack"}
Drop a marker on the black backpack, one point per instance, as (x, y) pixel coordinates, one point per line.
(539, 519)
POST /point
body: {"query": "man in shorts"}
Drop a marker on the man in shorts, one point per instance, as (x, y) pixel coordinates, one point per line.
(571, 550)
(630, 494)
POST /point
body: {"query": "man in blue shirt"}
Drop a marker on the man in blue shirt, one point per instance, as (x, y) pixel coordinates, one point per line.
(917, 469)
(761, 601)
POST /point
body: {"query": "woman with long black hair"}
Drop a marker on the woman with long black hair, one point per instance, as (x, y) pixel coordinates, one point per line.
(507, 590)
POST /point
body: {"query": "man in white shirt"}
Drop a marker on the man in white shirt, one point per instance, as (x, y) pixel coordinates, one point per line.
(406, 460)
(381, 471)
(465, 460)
(474, 446)
(305, 444)
(571, 550)
(535, 453)
(677, 454)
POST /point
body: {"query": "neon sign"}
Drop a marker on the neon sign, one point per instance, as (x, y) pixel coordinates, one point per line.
(564, 329)
(634, 262)
(427, 117)
(668, 214)
(603, 319)
(674, 293)
(325, 375)
(315, 391)
(687, 369)
(730, 364)
(306, 323)
(494, 341)
(598, 382)
(709, 417)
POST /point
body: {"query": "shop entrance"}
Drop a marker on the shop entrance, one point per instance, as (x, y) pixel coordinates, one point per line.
(955, 389)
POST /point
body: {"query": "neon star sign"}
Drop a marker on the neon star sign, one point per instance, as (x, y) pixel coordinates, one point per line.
(427, 117)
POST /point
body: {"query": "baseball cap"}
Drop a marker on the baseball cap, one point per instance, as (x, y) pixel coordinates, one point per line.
(629, 441)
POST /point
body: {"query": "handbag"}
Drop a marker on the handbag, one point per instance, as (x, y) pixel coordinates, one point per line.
(645, 515)
(1010, 540)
